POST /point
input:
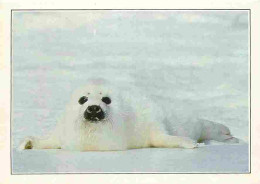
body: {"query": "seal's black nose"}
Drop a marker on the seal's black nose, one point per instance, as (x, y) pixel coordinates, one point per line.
(94, 113)
(94, 109)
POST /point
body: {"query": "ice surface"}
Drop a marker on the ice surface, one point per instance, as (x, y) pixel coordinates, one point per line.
(210, 159)
(193, 63)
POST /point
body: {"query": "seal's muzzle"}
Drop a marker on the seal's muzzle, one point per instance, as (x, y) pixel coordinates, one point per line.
(94, 113)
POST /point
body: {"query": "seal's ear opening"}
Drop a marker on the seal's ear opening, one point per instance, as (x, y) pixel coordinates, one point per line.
(106, 100)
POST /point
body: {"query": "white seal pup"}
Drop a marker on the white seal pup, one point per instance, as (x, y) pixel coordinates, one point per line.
(102, 118)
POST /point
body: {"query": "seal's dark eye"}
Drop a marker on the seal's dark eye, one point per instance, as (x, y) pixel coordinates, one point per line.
(106, 100)
(82, 100)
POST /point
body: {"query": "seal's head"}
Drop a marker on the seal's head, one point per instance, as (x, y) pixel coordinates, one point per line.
(95, 110)
(93, 103)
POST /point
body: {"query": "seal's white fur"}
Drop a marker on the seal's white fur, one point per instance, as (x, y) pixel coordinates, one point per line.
(131, 121)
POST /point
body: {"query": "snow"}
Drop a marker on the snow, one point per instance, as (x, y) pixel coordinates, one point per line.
(193, 63)
(222, 158)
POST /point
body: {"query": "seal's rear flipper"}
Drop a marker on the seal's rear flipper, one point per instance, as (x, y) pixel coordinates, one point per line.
(217, 132)
(232, 140)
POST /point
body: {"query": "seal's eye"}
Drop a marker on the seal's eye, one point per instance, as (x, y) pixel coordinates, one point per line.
(82, 100)
(106, 100)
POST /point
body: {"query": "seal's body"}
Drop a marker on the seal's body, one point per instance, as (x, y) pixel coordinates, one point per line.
(104, 118)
